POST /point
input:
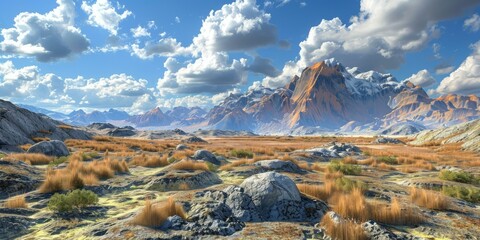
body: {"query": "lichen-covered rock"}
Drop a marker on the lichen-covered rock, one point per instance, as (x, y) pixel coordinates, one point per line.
(213, 218)
(334, 150)
(175, 180)
(268, 189)
(51, 148)
(206, 155)
(278, 165)
(194, 139)
(181, 147)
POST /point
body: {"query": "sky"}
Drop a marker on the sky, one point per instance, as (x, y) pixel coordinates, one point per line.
(66, 55)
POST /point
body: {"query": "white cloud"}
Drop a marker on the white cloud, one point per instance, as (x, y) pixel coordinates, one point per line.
(164, 47)
(139, 32)
(46, 37)
(177, 19)
(472, 23)
(378, 37)
(240, 25)
(27, 85)
(422, 78)
(102, 14)
(218, 98)
(186, 101)
(436, 50)
(444, 69)
(466, 78)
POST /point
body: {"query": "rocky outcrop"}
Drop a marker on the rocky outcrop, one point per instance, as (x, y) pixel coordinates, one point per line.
(18, 126)
(174, 180)
(181, 147)
(193, 139)
(375, 231)
(17, 177)
(386, 140)
(101, 126)
(466, 133)
(206, 155)
(278, 166)
(122, 132)
(154, 117)
(333, 150)
(51, 148)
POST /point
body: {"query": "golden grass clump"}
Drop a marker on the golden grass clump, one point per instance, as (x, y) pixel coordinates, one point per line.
(429, 199)
(154, 215)
(62, 179)
(322, 192)
(30, 158)
(16, 202)
(190, 165)
(346, 229)
(353, 205)
(150, 161)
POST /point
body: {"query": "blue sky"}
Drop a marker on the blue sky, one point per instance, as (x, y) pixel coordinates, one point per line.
(194, 52)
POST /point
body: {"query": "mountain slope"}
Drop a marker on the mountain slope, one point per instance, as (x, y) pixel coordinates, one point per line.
(18, 126)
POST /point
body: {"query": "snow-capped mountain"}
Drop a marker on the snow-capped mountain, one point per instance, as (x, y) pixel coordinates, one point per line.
(80, 117)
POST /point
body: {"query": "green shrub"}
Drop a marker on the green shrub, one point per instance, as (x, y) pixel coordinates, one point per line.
(469, 194)
(240, 153)
(58, 161)
(388, 159)
(458, 176)
(347, 185)
(347, 169)
(73, 200)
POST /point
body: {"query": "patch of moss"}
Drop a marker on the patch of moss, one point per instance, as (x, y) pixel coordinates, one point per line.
(347, 169)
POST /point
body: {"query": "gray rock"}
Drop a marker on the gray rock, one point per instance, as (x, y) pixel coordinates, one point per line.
(181, 147)
(213, 218)
(173, 222)
(386, 140)
(101, 126)
(268, 189)
(335, 150)
(122, 132)
(51, 148)
(241, 204)
(206, 155)
(14, 226)
(278, 165)
(376, 232)
(17, 177)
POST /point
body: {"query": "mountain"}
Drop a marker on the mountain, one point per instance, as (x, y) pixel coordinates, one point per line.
(52, 114)
(19, 126)
(330, 97)
(152, 118)
(80, 117)
(184, 116)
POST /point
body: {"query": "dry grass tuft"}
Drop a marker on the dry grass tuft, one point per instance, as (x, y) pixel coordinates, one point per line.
(346, 229)
(16, 202)
(429, 199)
(150, 161)
(30, 158)
(155, 215)
(190, 165)
(322, 192)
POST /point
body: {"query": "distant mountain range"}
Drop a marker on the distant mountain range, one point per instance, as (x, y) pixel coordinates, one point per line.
(326, 97)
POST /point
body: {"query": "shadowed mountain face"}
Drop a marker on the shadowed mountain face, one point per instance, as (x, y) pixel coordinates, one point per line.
(330, 96)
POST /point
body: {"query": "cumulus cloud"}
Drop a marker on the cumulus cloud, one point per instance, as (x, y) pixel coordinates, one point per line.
(186, 101)
(27, 85)
(472, 23)
(263, 66)
(422, 78)
(102, 14)
(164, 47)
(47, 37)
(139, 32)
(466, 78)
(379, 36)
(444, 68)
(240, 25)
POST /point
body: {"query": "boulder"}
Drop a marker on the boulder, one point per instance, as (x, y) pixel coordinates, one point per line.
(212, 218)
(386, 140)
(122, 132)
(278, 165)
(181, 147)
(175, 180)
(206, 155)
(51, 148)
(269, 189)
(101, 126)
(334, 150)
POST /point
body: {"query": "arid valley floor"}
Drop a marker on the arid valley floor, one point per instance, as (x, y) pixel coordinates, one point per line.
(370, 190)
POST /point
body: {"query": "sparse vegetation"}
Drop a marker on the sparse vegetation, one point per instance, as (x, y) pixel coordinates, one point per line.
(429, 199)
(154, 215)
(458, 176)
(16, 202)
(347, 169)
(387, 159)
(190, 165)
(65, 127)
(74, 200)
(150, 160)
(30, 158)
(469, 194)
(241, 153)
(58, 161)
